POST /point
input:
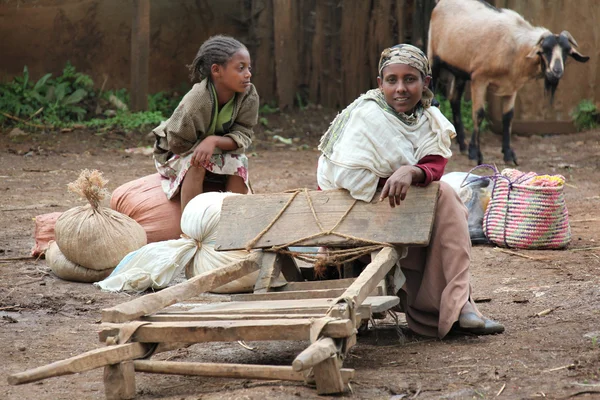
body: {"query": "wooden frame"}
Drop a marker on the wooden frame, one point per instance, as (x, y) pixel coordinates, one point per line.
(328, 313)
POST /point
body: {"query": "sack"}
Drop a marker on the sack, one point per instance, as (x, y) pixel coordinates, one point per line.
(527, 210)
(93, 236)
(69, 271)
(145, 201)
(156, 264)
(44, 232)
(199, 221)
(475, 193)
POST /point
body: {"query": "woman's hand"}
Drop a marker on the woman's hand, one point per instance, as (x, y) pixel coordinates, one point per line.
(397, 185)
(204, 151)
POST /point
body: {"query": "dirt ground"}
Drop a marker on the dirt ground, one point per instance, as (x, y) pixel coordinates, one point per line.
(549, 301)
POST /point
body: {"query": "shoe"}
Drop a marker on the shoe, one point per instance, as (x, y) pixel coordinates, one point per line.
(470, 320)
(490, 327)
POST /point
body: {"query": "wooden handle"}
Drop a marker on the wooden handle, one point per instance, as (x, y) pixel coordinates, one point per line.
(201, 283)
(81, 363)
(317, 352)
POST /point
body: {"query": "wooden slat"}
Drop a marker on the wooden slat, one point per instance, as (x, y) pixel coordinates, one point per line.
(288, 295)
(228, 331)
(300, 294)
(372, 275)
(374, 304)
(312, 285)
(270, 269)
(82, 362)
(166, 317)
(219, 370)
(244, 217)
(201, 283)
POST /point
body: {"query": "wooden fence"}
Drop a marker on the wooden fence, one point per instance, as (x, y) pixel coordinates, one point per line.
(319, 51)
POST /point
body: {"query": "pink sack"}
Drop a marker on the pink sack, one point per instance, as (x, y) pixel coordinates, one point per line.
(144, 200)
(44, 232)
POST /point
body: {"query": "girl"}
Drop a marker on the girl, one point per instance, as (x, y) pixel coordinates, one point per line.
(205, 138)
(389, 139)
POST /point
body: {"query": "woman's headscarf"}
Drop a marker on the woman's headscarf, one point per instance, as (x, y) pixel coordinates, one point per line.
(409, 55)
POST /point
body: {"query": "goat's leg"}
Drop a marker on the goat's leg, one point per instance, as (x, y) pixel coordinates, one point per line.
(478, 90)
(455, 100)
(508, 112)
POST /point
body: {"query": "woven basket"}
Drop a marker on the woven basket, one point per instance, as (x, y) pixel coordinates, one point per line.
(524, 216)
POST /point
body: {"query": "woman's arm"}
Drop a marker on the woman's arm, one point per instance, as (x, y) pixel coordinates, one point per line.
(433, 167)
(428, 169)
(204, 151)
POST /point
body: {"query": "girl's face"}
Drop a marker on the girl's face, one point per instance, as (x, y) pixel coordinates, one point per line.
(234, 76)
(402, 86)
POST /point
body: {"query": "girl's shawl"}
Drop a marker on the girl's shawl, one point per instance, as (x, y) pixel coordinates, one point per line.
(370, 135)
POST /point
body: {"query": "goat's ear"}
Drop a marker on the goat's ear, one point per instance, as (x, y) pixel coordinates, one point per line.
(577, 56)
(535, 50)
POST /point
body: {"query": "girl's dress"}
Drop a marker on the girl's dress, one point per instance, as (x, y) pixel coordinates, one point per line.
(197, 117)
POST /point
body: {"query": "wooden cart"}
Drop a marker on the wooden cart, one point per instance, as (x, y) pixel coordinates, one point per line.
(327, 312)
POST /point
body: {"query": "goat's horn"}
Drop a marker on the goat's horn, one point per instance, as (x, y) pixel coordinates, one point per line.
(570, 38)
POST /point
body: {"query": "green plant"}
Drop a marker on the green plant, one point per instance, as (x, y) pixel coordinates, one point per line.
(586, 115)
(127, 120)
(465, 112)
(49, 100)
(267, 109)
(164, 102)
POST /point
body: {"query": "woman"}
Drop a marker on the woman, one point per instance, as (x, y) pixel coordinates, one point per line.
(391, 138)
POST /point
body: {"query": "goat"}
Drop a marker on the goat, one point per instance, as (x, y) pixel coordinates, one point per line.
(496, 49)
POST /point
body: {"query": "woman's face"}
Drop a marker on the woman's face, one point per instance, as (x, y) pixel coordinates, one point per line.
(234, 77)
(402, 86)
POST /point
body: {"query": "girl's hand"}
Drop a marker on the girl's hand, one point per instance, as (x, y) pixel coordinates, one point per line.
(204, 151)
(397, 185)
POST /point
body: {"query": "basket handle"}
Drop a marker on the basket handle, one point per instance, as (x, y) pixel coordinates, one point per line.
(488, 166)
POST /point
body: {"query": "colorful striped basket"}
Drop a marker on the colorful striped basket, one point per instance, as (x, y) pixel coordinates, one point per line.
(525, 216)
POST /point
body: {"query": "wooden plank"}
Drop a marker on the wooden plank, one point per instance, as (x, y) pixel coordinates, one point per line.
(317, 352)
(409, 224)
(269, 270)
(301, 294)
(140, 52)
(372, 275)
(166, 317)
(286, 55)
(373, 304)
(201, 283)
(229, 331)
(221, 370)
(289, 269)
(288, 295)
(316, 285)
(119, 381)
(81, 363)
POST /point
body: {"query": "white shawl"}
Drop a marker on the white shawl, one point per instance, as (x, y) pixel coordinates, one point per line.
(371, 143)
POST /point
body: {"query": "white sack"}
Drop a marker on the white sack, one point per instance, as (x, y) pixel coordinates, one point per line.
(199, 221)
(153, 265)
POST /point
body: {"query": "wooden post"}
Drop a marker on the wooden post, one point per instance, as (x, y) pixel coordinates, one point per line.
(328, 376)
(286, 56)
(140, 50)
(119, 381)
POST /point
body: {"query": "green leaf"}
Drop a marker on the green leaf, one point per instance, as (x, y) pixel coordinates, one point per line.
(60, 92)
(75, 97)
(25, 77)
(39, 84)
